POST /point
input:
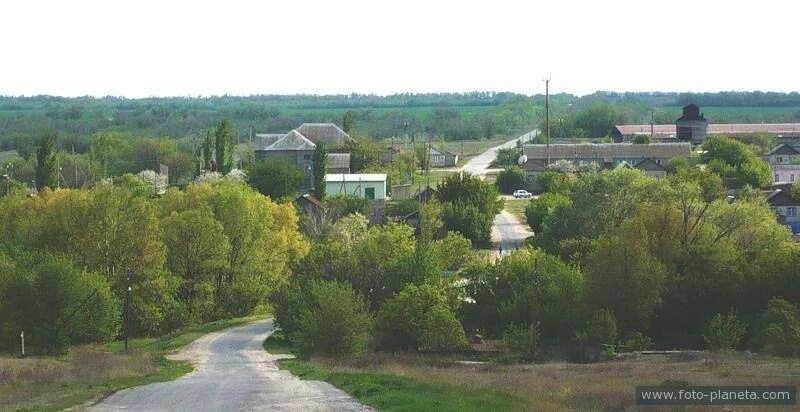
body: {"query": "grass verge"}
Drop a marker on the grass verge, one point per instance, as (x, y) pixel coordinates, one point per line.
(87, 372)
(397, 393)
(517, 208)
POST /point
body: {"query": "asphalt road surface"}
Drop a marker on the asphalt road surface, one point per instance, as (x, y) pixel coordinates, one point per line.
(508, 233)
(479, 164)
(232, 373)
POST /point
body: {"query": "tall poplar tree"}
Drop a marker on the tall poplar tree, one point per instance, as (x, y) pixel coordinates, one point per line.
(46, 168)
(224, 146)
(320, 164)
(208, 151)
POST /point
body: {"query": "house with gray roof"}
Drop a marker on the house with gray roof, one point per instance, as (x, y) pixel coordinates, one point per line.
(785, 206)
(328, 133)
(782, 154)
(294, 148)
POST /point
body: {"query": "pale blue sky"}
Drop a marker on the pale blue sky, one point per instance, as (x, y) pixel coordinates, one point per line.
(164, 48)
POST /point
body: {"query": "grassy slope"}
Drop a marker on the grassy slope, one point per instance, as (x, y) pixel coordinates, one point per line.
(396, 393)
(49, 383)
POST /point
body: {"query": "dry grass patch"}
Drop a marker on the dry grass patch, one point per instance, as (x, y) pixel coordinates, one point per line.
(566, 386)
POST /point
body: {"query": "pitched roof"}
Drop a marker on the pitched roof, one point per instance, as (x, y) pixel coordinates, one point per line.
(649, 165)
(338, 161)
(357, 177)
(789, 129)
(327, 133)
(264, 140)
(292, 141)
(783, 149)
(609, 150)
(780, 197)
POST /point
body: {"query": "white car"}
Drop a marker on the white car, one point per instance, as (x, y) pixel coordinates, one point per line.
(522, 194)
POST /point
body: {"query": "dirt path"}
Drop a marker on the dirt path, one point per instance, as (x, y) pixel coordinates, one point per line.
(232, 373)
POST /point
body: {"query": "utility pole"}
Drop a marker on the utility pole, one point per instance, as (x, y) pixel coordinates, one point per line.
(547, 115)
(652, 126)
(126, 314)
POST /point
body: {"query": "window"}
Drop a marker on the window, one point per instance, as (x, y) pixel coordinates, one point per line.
(791, 177)
(369, 193)
(307, 157)
(777, 177)
(780, 159)
(791, 211)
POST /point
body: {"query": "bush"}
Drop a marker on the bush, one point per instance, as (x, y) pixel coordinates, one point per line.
(337, 321)
(724, 332)
(538, 209)
(340, 206)
(637, 341)
(511, 179)
(781, 328)
(276, 178)
(522, 338)
(418, 319)
(602, 328)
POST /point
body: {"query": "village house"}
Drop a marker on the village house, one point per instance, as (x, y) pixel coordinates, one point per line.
(370, 186)
(786, 206)
(440, 158)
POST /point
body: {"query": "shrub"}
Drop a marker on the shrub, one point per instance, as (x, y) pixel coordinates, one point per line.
(724, 332)
(538, 209)
(418, 319)
(637, 341)
(511, 179)
(781, 328)
(522, 338)
(602, 328)
(337, 321)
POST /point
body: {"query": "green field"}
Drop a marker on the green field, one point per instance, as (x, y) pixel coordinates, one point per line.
(730, 114)
(91, 371)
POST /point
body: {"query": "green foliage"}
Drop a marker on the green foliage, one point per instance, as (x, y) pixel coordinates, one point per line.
(507, 157)
(637, 341)
(275, 177)
(725, 331)
(208, 152)
(223, 146)
(336, 321)
(732, 158)
(55, 303)
(468, 206)
(522, 338)
(320, 168)
(344, 205)
(641, 139)
(364, 152)
(602, 328)
(525, 287)
(538, 209)
(418, 319)
(349, 122)
(597, 120)
(46, 167)
(511, 179)
(556, 182)
(780, 328)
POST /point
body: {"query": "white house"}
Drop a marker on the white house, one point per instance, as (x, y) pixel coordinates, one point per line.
(370, 186)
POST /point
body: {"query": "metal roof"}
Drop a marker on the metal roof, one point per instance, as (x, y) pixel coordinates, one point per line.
(608, 150)
(327, 133)
(292, 141)
(722, 129)
(338, 161)
(357, 177)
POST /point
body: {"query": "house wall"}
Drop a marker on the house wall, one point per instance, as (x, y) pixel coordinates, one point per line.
(785, 173)
(782, 159)
(437, 160)
(355, 188)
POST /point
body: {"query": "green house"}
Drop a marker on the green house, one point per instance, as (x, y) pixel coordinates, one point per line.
(366, 186)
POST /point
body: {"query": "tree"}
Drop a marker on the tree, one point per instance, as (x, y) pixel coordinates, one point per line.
(208, 152)
(418, 319)
(469, 206)
(320, 168)
(276, 178)
(511, 179)
(602, 328)
(641, 139)
(46, 166)
(732, 158)
(223, 145)
(197, 251)
(538, 209)
(336, 321)
(725, 331)
(349, 122)
(507, 157)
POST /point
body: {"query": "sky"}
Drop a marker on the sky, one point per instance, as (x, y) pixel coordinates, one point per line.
(148, 48)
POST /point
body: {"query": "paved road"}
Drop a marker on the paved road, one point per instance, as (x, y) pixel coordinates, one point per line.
(479, 165)
(508, 233)
(232, 373)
